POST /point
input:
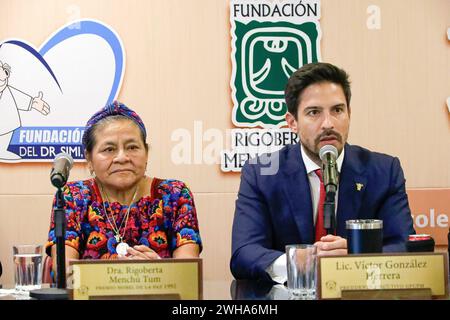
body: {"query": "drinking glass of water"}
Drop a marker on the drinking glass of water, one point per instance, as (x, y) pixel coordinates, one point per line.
(301, 271)
(27, 267)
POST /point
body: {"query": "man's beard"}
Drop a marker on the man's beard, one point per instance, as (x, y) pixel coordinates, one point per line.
(314, 154)
(326, 134)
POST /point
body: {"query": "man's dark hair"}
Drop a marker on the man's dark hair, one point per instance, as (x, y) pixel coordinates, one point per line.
(310, 74)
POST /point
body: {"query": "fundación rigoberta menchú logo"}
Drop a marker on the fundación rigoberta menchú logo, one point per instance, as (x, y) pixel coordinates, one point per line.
(270, 40)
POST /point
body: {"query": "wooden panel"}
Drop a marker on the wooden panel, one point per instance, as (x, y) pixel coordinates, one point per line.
(25, 220)
(178, 72)
(215, 214)
(400, 80)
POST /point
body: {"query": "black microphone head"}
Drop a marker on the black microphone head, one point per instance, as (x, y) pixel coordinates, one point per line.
(58, 180)
(328, 148)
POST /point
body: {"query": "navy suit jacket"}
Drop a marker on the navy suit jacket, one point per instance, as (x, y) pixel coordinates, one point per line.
(274, 210)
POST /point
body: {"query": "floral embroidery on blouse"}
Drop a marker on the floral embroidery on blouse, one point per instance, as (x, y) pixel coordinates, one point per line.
(163, 221)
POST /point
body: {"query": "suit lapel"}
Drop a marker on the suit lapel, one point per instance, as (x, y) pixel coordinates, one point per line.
(352, 186)
(298, 194)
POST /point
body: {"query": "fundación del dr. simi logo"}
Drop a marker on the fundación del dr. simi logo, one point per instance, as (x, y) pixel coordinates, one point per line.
(270, 40)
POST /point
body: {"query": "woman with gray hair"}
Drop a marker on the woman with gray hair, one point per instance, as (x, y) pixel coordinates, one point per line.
(120, 212)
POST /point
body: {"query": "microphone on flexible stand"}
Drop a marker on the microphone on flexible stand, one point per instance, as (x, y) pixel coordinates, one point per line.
(328, 154)
(59, 175)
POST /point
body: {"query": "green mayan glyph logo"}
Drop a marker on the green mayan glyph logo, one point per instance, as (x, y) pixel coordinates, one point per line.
(264, 56)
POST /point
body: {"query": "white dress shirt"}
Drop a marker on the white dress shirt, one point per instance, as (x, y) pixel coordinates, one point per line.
(278, 270)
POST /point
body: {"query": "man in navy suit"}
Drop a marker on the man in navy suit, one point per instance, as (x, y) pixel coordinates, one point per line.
(278, 199)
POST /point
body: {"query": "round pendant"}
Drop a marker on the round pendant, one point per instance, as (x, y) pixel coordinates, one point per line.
(121, 249)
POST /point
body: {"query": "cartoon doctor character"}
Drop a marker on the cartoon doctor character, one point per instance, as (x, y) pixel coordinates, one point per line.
(11, 101)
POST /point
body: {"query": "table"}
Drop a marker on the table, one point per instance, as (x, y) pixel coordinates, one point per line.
(243, 290)
(226, 290)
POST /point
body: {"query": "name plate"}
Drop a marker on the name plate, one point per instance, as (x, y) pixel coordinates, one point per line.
(137, 279)
(382, 272)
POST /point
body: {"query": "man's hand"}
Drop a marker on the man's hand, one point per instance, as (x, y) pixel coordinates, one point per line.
(40, 105)
(331, 245)
(140, 252)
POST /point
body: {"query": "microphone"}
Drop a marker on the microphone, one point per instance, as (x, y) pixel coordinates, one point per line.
(328, 154)
(61, 168)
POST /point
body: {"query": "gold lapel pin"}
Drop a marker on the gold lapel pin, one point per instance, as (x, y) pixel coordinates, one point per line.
(359, 186)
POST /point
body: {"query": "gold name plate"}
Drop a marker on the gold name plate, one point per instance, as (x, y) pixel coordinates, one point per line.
(382, 272)
(137, 279)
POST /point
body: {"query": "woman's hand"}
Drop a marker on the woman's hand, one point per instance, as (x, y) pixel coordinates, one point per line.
(140, 252)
